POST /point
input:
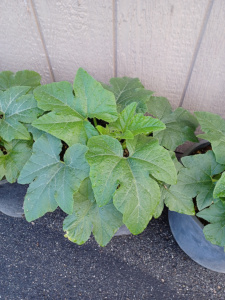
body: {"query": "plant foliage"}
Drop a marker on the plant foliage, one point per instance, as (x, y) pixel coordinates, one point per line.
(214, 132)
(203, 178)
(18, 108)
(93, 152)
(69, 114)
(128, 90)
(21, 78)
(180, 123)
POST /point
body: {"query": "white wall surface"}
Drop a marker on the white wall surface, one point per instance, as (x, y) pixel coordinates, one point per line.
(176, 47)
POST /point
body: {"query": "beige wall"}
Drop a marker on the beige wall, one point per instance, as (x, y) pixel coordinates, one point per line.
(176, 47)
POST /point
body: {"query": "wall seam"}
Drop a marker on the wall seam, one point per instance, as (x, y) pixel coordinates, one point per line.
(196, 51)
(115, 38)
(42, 40)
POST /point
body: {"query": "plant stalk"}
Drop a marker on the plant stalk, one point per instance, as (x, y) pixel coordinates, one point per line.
(124, 145)
(95, 122)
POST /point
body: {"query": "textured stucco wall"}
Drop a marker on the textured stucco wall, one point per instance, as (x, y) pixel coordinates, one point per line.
(176, 47)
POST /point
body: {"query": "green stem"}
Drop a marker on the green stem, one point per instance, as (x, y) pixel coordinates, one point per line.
(215, 178)
(124, 145)
(95, 122)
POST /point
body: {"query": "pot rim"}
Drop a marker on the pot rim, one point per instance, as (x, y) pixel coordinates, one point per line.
(4, 181)
(195, 147)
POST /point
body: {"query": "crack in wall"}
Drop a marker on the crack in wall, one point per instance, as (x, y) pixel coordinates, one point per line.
(196, 51)
(42, 40)
(115, 72)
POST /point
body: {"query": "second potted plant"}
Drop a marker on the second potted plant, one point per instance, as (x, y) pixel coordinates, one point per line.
(202, 184)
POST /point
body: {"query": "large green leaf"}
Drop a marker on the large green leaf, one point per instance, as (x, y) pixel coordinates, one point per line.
(68, 128)
(180, 124)
(88, 217)
(17, 107)
(185, 206)
(128, 90)
(219, 190)
(195, 180)
(93, 101)
(130, 124)
(215, 214)
(68, 119)
(178, 201)
(21, 78)
(214, 127)
(52, 182)
(17, 154)
(130, 181)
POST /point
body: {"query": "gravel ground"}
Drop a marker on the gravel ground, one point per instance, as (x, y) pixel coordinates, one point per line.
(37, 262)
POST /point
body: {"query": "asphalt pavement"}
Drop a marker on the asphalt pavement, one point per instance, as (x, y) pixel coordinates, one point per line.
(37, 262)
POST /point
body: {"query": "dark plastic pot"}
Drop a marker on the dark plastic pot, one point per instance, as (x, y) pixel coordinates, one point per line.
(188, 233)
(123, 230)
(11, 198)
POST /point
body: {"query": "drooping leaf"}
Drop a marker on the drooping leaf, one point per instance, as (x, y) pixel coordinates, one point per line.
(164, 193)
(130, 181)
(2, 164)
(21, 78)
(178, 201)
(18, 153)
(219, 190)
(128, 90)
(214, 127)
(215, 214)
(195, 180)
(17, 107)
(88, 217)
(180, 124)
(68, 119)
(130, 124)
(160, 206)
(177, 164)
(52, 182)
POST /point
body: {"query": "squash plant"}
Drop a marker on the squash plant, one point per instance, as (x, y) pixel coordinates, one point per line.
(18, 108)
(89, 149)
(203, 178)
(94, 156)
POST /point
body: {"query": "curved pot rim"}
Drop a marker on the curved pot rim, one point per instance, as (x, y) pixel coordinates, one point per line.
(189, 235)
(196, 147)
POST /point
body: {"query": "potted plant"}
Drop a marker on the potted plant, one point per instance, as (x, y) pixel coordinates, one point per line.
(201, 188)
(96, 158)
(18, 108)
